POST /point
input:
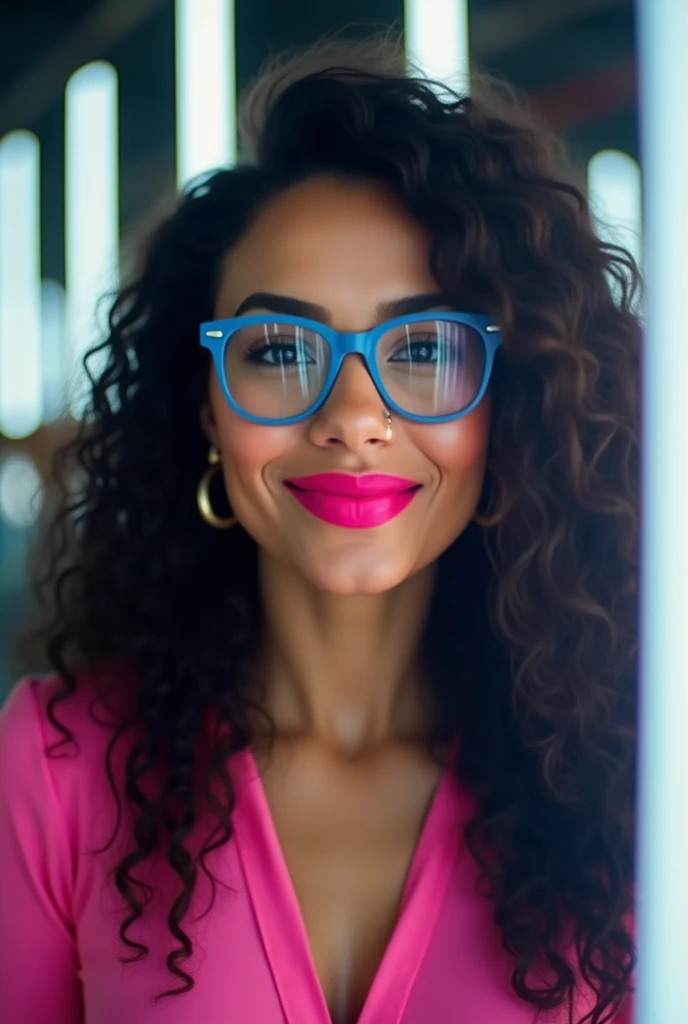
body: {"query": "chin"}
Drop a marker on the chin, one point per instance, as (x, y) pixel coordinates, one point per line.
(349, 575)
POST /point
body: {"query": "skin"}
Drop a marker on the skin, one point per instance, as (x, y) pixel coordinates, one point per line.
(344, 608)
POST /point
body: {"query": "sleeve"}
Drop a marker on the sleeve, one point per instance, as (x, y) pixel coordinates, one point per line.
(39, 968)
(626, 1013)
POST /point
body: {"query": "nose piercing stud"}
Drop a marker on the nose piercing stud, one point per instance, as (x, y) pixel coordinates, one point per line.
(388, 435)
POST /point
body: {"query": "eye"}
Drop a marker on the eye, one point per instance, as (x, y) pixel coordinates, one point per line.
(277, 353)
(418, 348)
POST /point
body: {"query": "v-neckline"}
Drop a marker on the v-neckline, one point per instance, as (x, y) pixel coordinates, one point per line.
(279, 917)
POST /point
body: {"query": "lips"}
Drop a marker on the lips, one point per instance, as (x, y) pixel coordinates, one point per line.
(368, 485)
(356, 502)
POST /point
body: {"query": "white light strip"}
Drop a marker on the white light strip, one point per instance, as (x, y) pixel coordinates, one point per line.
(54, 354)
(20, 258)
(21, 493)
(663, 715)
(437, 41)
(615, 194)
(91, 209)
(206, 86)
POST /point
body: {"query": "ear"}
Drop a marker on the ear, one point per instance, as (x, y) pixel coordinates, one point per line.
(208, 424)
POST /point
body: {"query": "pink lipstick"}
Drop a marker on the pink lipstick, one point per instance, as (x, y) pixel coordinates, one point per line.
(357, 502)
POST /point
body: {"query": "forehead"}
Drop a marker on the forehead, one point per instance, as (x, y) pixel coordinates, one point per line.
(331, 242)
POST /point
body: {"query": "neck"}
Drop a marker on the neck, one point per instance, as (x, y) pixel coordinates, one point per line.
(343, 670)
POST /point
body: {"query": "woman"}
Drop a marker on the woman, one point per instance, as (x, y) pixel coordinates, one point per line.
(345, 592)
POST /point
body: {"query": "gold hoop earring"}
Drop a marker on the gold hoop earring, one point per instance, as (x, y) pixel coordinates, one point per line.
(388, 435)
(203, 494)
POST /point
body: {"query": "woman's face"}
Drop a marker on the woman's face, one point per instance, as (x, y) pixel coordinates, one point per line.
(347, 247)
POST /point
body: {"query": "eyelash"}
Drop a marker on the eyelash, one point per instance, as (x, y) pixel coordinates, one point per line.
(259, 347)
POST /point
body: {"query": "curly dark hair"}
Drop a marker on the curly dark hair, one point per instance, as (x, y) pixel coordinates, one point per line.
(536, 663)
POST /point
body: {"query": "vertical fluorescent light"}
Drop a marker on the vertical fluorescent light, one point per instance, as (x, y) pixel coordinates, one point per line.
(20, 258)
(206, 86)
(54, 354)
(21, 493)
(663, 822)
(92, 210)
(615, 194)
(437, 43)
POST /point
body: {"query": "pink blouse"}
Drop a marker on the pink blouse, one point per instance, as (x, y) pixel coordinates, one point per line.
(60, 912)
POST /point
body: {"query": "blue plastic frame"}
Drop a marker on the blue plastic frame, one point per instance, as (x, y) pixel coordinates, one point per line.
(215, 334)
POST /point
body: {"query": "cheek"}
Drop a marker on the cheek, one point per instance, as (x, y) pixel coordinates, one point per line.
(251, 449)
(248, 447)
(460, 447)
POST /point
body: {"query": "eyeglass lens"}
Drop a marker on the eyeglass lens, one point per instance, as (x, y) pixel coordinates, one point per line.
(429, 368)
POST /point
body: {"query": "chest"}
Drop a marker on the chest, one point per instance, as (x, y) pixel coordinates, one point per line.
(348, 835)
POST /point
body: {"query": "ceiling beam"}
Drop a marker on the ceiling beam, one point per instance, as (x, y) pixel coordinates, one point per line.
(515, 23)
(587, 98)
(510, 24)
(35, 91)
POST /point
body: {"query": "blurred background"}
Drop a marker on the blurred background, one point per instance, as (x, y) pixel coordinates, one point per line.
(108, 106)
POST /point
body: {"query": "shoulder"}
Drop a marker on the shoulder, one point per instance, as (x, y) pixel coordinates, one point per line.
(25, 727)
(54, 786)
(47, 765)
(26, 718)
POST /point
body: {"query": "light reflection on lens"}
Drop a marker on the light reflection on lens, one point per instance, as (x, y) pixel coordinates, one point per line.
(429, 368)
(441, 370)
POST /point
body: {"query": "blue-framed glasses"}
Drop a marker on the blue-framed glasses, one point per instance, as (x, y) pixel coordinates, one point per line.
(427, 367)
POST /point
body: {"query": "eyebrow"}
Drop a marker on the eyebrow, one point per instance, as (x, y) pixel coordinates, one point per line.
(298, 307)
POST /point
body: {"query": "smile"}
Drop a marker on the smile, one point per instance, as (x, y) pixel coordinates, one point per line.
(355, 501)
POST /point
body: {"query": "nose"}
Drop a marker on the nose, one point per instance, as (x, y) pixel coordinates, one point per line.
(352, 414)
